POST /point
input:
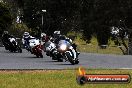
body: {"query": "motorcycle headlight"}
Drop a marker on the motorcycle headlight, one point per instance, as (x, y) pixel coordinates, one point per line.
(63, 47)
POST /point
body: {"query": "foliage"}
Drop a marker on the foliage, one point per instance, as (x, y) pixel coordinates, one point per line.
(17, 29)
(5, 18)
(60, 15)
(88, 16)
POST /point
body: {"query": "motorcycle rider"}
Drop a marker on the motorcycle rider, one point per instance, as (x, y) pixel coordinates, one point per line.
(10, 43)
(5, 39)
(25, 40)
(45, 37)
(5, 36)
(58, 37)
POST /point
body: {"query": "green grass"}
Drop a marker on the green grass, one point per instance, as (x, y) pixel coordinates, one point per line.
(94, 48)
(54, 79)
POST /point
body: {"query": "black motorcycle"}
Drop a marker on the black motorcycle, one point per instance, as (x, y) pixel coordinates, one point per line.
(12, 45)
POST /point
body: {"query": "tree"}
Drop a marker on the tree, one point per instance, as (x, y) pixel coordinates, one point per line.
(61, 15)
(104, 15)
(89, 16)
(5, 18)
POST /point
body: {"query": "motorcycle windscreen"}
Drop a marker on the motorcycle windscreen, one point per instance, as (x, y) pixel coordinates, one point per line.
(49, 46)
(64, 42)
(34, 42)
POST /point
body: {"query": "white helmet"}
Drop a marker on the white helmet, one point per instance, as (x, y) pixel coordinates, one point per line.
(56, 32)
(26, 34)
(43, 34)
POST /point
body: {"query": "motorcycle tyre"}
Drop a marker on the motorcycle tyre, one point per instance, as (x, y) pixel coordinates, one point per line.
(77, 62)
(60, 59)
(70, 58)
(19, 49)
(41, 56)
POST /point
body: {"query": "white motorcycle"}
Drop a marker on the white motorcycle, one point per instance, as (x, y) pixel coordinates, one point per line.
(51, 50)
(67, 51)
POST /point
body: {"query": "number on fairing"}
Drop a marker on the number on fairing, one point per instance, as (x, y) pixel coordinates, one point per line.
(50, 47)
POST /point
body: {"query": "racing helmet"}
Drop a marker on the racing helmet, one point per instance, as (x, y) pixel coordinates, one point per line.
(26, 34)
(43, 35)
(62, 37)
(57, 32)
(5, 32)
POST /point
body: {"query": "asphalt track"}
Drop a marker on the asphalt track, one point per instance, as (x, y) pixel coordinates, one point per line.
(26, 60)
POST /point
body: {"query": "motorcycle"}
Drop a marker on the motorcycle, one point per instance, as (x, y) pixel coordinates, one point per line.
(36, 47)
(12, 45)
(67, 51)
(49, 47)
(51, 50)
(26, 45)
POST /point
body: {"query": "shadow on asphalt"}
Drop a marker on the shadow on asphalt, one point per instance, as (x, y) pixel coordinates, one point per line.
(65, 64)
(52, 61)
(31, 57)
(6, 51)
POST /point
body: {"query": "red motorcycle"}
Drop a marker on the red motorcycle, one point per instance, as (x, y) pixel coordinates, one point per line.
(36, 47)
(37, 50)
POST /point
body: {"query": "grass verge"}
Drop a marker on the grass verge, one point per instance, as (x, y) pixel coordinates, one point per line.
(94, 48)
(54, 79)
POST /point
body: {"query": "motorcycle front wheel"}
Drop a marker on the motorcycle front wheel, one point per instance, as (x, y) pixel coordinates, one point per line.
(77, 61)
(70, 58)
(19, 49)
(60, 59)
(39, 55)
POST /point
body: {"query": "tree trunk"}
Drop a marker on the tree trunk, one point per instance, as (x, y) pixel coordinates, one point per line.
(130, 44)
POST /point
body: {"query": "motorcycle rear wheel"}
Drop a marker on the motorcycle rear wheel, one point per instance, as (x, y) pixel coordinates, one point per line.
(19, 50)
(60, 59)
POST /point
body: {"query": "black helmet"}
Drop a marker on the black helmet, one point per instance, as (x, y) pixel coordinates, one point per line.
(5, 32)
(62, 37)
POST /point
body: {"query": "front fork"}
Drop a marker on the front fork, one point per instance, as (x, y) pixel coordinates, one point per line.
(72, 52)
